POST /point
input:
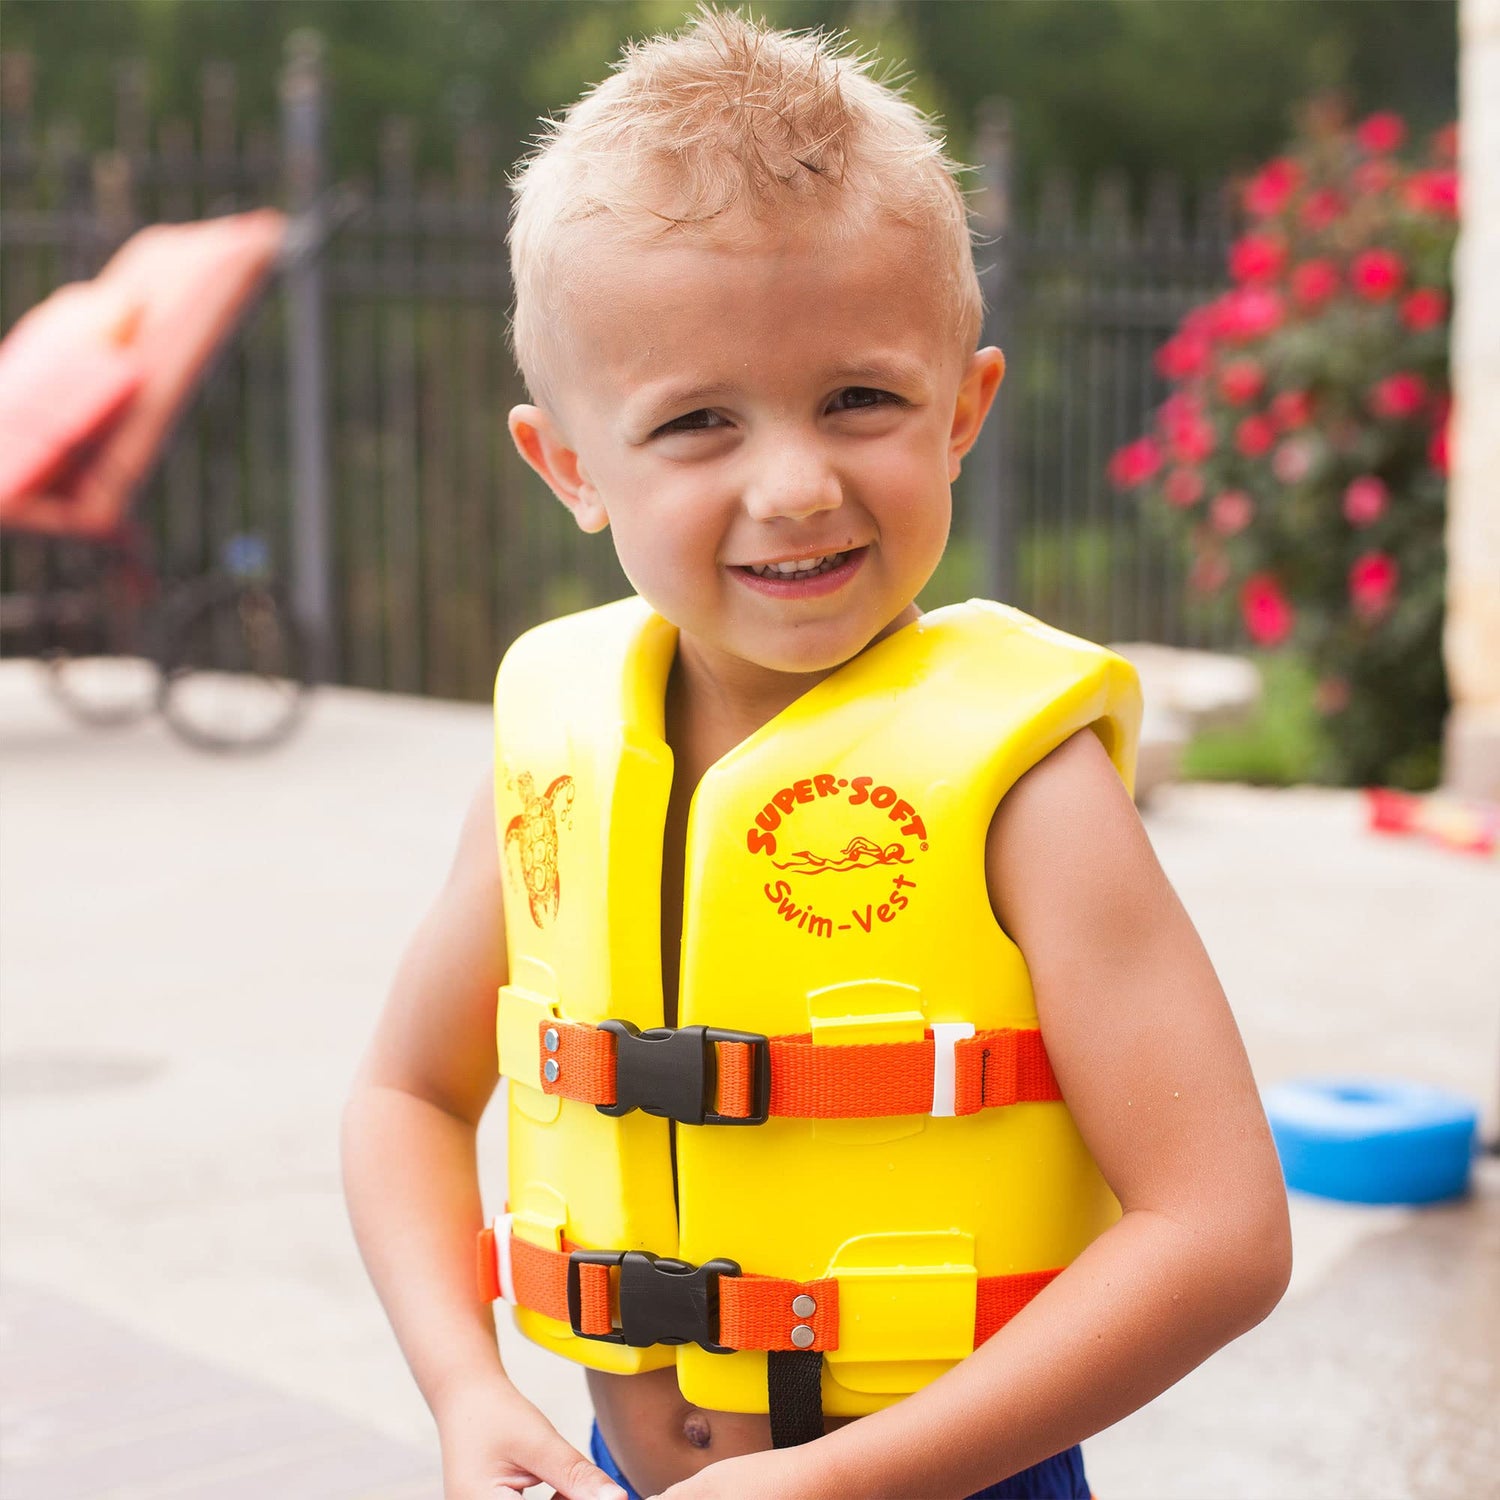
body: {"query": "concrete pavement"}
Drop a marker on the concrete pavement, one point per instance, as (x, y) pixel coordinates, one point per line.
(192, 951)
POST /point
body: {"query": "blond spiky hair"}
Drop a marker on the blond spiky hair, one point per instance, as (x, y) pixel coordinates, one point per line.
(724, 123)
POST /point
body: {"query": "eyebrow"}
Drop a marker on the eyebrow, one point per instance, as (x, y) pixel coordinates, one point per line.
(686, 397)
(883, 370)
(651, 408)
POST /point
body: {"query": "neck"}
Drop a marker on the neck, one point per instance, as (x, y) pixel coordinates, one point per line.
(741, 696)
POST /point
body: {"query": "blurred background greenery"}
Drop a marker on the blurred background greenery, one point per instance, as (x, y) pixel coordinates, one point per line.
(1198, 87)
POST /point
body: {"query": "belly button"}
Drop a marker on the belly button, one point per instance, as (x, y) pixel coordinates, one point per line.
(696, 1430)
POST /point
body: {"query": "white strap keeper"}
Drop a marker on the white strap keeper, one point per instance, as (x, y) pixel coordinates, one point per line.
(945, 1036)
(502, 1259)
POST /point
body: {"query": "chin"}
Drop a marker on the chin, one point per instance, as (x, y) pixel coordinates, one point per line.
(803, 658)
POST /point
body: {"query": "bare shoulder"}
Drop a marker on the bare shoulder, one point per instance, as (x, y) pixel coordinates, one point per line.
(1069, 827)
(1135, 1021)
(436, 1035)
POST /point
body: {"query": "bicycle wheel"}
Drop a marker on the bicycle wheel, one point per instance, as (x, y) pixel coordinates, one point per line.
(234, 672)
(98, 635)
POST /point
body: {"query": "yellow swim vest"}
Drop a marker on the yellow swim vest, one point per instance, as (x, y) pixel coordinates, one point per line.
(884, 1170)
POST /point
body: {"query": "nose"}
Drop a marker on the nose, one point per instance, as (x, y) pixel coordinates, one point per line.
(791, 481)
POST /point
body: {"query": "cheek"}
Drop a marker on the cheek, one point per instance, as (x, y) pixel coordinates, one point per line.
(665, 537)
(915, 496)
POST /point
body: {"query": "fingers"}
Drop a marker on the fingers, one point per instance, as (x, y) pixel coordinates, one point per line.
(497, 1445)
(557, 1462)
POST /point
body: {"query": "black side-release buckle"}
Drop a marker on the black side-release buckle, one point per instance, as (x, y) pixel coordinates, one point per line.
(661, 1301)
(674, 1073)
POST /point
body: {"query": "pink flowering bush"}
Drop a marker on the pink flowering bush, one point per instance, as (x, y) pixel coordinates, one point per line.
(1302, 452)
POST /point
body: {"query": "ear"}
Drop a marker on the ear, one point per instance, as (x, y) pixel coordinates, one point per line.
(544, 445)
(981, 379)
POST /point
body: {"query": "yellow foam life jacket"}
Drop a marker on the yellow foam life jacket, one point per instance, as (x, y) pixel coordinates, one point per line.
(835, 898)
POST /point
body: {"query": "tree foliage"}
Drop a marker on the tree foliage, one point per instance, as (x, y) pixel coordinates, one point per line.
(1136, 86)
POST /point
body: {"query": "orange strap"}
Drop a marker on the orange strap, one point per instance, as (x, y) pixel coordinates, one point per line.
(755, 1312)
(808, 1082)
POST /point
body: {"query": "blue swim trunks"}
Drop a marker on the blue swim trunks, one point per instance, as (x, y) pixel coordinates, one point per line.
(1057, 1478)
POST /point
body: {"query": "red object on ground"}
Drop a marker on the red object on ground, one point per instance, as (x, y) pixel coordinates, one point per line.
(92, 379)
(1473, 827)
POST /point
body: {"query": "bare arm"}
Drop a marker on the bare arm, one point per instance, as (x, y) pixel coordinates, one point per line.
(412, 1186)
(1151, 1064)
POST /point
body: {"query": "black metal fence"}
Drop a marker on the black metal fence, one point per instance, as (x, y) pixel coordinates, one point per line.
(1083, 292)
(440, 545)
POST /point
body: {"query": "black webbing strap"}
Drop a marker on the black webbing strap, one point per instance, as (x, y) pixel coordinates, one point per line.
(794, 1394)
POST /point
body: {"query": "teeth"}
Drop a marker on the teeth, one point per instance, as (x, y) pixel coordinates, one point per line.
(801, 566)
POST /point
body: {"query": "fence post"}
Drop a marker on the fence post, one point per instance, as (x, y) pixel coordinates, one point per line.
(993, 495)
(303, 97)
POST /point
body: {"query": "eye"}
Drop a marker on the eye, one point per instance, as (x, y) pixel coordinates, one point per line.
(862, 398)
(701, 420)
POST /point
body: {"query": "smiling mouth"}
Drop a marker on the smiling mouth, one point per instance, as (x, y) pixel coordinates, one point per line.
(802, 567)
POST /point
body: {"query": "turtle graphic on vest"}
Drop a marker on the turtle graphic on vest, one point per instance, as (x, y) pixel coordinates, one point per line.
(534, 831)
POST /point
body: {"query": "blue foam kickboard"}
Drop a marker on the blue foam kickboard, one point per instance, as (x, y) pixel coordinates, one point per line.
(1372, 1140)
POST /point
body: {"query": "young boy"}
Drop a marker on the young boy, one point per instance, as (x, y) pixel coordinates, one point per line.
(768, 796)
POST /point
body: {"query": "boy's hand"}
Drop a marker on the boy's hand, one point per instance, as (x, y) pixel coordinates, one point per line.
(780, 1474)
(496, 1444)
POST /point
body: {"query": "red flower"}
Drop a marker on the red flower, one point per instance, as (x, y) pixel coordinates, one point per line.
(1182, 488)
(1257, 257)
(1314, 282)
(1445, 143)
(1291, 409)
(1293, 460)
(1241, 381)
(1321, 209)
(1365, 500)
(1189, 434)
(1377, 275)
(1248, 312)
(1372, 584)
(1381, 132)
(1434, 192)
(1424, 308)
(1209, 573)
(1254, 436)
(1231, 512)
(1398, 396)
(1135, 463)
(1265, 610)
(1200, 322)
(1437, 449)
(1194, 441)
(1271, 187)
(1183, 355)
(1180, 407)
(1373, 177)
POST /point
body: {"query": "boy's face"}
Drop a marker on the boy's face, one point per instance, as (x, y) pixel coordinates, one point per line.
(724, 407)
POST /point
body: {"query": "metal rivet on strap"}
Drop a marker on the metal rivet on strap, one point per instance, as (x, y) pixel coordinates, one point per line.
(550, 1070)
(802, 1336)
(550, 1039)
(804, 1306)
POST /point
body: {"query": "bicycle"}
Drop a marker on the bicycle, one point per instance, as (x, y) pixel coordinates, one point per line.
(218, 655)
